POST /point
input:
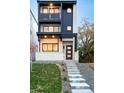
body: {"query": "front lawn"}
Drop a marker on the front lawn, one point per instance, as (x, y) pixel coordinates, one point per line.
(45, 78)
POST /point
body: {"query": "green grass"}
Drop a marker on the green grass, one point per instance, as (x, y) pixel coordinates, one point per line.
(45, 78)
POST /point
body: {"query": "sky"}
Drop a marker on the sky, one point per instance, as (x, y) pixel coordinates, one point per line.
(85, 8)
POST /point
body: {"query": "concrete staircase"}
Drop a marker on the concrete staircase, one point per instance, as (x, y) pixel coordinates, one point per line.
(77, 82)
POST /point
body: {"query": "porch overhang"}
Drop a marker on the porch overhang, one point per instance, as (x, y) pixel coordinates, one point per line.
(40, 34)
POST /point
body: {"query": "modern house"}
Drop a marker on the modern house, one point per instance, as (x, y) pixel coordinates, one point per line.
(57, 30)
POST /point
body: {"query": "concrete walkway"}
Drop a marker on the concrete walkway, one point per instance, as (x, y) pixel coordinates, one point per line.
(77, 82)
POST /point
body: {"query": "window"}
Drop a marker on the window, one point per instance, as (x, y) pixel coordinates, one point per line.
(55, 47)
(56, 29)
(45, 47)
(51, 29)
(51, 10)
(69, 10)
(45, 10)
(68, 28)
(50, 45)
(56, 10)
(47, 28)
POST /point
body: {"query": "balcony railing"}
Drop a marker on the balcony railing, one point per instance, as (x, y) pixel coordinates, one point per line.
(49, 17)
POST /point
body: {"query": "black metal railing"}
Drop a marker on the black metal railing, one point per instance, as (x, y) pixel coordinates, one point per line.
(50, 17)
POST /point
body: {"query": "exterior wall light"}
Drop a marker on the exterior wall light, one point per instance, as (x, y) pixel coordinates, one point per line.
(53, 36)
(51, 4)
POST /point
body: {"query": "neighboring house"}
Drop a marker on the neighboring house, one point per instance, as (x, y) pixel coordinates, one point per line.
(33, 37)
(57, 30)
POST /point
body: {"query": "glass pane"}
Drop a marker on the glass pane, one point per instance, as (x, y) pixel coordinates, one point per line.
(50, 29)
(44, 47)
(68, 51)
(68, 47)
(55, 47)
(56, 10)
(49, 47)
(69, 28)
(69, 10)
(45, 10)
(56, 29)
(68, 55)
(45, 29)
(51, 10)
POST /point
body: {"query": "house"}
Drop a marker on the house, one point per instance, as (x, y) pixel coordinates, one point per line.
(33, 36)
(57, 31)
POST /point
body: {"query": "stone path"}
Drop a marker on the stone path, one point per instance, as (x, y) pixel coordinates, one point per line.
(77, 82)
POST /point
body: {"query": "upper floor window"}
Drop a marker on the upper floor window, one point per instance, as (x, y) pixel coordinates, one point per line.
(68, 28)
(49, 10)
(51, 28)
(69, 10)
(45, 29)
(45, 10)
(56, 10)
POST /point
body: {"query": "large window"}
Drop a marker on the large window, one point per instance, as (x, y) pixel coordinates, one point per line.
(47, 28)
(49, 10)
(50, 45)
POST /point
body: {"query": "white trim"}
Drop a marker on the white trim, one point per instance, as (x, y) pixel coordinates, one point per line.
(49, 56)
(67, 39)
(73, 48)
(74, 19)
(65, 44)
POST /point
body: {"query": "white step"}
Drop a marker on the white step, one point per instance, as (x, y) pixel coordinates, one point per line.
(77, 80)
(73, 72)
(71, 65)
(72, 68)
(81, 91)
(79, 85)
(75, 76)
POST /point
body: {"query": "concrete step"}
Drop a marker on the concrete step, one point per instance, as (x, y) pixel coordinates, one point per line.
(75, 76)
(77, 80)
(71, 65)
(81, 91)
(73, 72)
(81, 85)
(72, 68)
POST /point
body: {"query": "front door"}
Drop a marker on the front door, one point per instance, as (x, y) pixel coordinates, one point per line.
(68, 52)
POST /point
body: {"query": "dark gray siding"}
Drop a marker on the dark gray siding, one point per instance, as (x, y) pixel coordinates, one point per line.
(67, 19)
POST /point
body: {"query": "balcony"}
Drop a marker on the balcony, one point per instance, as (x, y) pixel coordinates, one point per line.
(49, 17)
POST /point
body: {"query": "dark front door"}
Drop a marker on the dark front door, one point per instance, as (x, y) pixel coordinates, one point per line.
(68, 52)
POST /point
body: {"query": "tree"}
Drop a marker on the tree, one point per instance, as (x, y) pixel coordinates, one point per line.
(86, 41)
